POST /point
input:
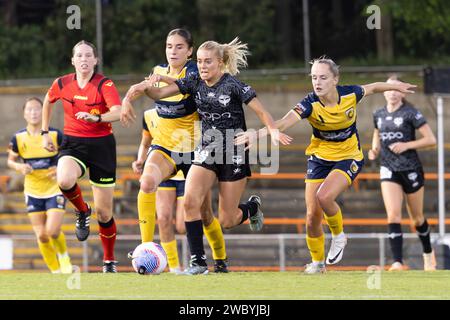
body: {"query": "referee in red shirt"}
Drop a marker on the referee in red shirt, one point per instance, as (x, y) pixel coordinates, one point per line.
(91, 102)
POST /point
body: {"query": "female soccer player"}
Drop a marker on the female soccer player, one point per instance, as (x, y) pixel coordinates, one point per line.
(219, 96)
(335, 155)
(91, 102)
(401, 172)
(45, 203)
(170, 198)
(172, 147)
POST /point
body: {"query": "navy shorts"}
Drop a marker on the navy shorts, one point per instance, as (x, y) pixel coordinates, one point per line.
(410, 180)
(35, 205)
(318, 169)
(176, 185)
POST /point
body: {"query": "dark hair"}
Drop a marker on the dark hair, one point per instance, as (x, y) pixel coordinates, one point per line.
(395, 77)
(183, 33)
(94, 49)
(32, 99)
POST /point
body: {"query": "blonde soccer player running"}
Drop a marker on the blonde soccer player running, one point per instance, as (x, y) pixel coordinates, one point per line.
(45, 203)
(170, 198)
(335, 154)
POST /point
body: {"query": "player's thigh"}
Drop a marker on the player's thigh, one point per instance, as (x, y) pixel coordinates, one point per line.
(165, 204)
(68, 170)
(334, 184)
(414, 204)
(54, 222)
(230, 193)
(198, 182)
(158, 167)
(38, 221)
(392, 193)
(103, 202)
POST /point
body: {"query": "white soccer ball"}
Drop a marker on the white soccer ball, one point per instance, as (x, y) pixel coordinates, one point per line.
(149, 258)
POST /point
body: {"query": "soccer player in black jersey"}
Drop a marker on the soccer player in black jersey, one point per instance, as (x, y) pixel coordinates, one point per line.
(219, 96)
(394, 139)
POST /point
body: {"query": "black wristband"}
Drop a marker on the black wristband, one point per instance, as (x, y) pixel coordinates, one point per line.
(99, 118)
(44, 132)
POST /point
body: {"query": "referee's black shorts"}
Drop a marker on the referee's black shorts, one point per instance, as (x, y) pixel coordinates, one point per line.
(98, 154)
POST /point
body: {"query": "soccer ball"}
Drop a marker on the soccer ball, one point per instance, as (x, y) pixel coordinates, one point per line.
(149, 258)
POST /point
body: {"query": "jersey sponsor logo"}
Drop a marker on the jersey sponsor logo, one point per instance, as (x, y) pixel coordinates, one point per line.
(350, 113)
(106, 179)
(80, 97)
(214, 116)
(331, 136)
(109, 83)
(94, 111)
(388, 118)
(299, 108)
(398, 121)
(224, 99)
(391, 135)
(211, 95)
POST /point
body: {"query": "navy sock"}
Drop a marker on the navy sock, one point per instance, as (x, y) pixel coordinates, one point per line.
(249, 209)
(423, 232)
(396, 241)
(194, 233)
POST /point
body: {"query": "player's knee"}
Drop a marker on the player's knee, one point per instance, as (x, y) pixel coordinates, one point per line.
(54, 233)
(191, 206)
(224, 220)
(181, 228)
(148, 184)
(164, 220)
(43, 236)
(324, 198)
(66, 182)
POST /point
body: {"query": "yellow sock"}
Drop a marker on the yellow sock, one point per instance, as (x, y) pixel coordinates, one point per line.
(214, 235)
(335, 223)
(147, 215)
(49, 255)
(316, 248)
(59, 243)
(172, 253)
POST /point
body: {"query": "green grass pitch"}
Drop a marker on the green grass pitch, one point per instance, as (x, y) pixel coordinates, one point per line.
(236, 285)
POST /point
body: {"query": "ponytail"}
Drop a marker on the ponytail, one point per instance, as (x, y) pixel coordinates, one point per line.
(233, 54)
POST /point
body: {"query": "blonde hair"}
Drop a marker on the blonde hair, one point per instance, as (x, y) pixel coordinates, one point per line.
(233, 54)
(334, 68)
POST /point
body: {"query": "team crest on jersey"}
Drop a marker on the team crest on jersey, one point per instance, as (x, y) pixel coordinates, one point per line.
(237, 160)
(398, 121)
(200, 156)
(418, 116)
(354, 167)
(246, 89)
(350, 113)
(224, 99)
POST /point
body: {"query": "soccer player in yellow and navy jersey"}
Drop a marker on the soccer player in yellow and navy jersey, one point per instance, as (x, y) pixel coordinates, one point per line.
(45, 203)
(172, 148)
(335, 155)
(170, 194)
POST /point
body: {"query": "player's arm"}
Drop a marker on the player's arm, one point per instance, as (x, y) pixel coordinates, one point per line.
(14, 164)
(47, 108)
(146, 142)
(375, 151)
(378, 87)
(286, 122)
(428, 140)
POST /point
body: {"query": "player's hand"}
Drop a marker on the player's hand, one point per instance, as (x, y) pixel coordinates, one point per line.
(137, 90)
(127, 114)
(277, 136)
(86, 116)
(406, 87)
(24, 168)
(398, 147)
(246, 138)
(372, 154)
(137, 166)
(153, 79)
(47, 143)
(51, 172)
